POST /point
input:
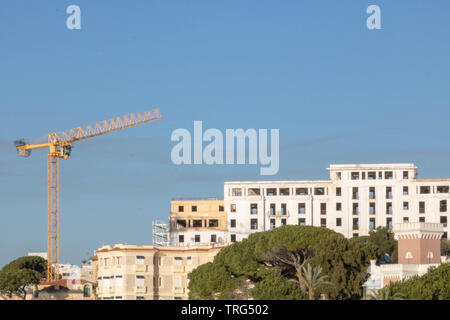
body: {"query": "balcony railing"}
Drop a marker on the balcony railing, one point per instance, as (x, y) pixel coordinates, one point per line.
(278, 213)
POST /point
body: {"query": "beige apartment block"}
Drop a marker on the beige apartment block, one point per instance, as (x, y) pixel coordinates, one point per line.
(130, 272)
(197, 222)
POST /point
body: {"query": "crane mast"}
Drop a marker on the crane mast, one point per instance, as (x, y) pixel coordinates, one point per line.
(60, 146)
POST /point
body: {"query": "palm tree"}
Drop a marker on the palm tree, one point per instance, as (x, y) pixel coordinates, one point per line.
(385, 294)
(312, 280)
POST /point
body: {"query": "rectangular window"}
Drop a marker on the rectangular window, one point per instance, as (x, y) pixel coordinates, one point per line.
(405, 175)
(197, 223)
(302, 208)
(213, 223)
(213, 238)
(338, 191)
(283, 222)
(388, 207)
(355, 194)
(284, 191)
(254, 224)
(254, 192)
(372, 193)
(283, 209)
(140, 282)
(372, 175)
(301, 191)
(194, 208)
(323, 222)
(405, 205)
(271, 191)
(140, 259)
(253, 208)
(233, 238)
(319, 191)
(233, 207)
(355, 208)
(442, 189)
(421, 206)
(355, 175)
(233, 223)
(301, 222)
(181, 223)
(443, 220)
(180, 208)
(421, 219)
(338, 206)
(405, 191)
(389, 223)
(197, 238)
(181, 238)
(372, 208)
(272, 209)
(388, 192)
(221, 208)
(425, 189)
(388, 175)
(355, 224)
(323, 208)
(443, 206)
(405, 219)
(272, 224)
(338, 222)
(236, 192)
(372, 224)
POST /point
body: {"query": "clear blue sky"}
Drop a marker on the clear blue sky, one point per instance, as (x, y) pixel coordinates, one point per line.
(338, 92)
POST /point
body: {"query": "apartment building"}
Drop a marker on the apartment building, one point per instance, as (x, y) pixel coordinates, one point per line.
(197, 222)
(130, 272)
(356, 199)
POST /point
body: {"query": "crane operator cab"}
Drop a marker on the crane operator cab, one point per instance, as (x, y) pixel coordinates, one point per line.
(66, 151)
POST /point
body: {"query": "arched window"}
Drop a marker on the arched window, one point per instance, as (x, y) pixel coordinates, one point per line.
(430, 256)
(408, 256)
(86, 291)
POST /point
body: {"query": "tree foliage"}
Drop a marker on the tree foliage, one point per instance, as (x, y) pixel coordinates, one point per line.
(278, 256)
(20, 273)
(434, 285)
(379, 242)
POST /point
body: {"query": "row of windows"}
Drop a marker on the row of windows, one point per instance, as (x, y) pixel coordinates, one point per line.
(318, 191)
(197, 238)
(323, 222)
(194, 208)
(323, 207)
(198, 223)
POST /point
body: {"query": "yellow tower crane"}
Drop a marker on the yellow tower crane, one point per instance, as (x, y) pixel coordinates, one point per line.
(60, 146)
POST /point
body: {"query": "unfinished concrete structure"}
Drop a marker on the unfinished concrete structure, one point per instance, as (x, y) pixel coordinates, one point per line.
(197, 222)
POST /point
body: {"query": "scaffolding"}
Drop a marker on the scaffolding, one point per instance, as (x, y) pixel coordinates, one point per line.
(160, 233)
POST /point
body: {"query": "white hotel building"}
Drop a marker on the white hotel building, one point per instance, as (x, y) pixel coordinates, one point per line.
(356, 199)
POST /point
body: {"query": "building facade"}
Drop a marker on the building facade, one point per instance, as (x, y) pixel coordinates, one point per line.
(355, 200)
(129, 272)
(197, 222)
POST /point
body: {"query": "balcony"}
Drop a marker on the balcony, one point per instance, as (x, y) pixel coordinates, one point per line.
(278, 214)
